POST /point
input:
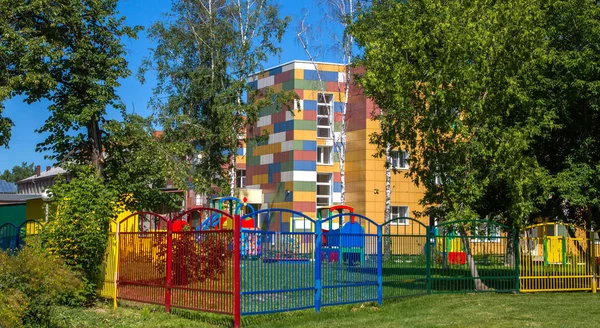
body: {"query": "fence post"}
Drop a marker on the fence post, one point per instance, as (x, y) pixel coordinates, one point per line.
(517, 251)
(564, 250)
(593, 261)
(169, 266)
(318, 266)
(116, 265)
(379, 265)
(428, 258)
(237, 236)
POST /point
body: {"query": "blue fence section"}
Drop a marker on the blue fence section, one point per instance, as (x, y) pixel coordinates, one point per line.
(13, 237)
(290, 261)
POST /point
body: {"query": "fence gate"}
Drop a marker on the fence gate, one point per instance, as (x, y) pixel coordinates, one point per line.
(348, 259)
(557, 257)
(277, 264)
(202, 261)
(141, 264)
(404, 261)
(473, 256)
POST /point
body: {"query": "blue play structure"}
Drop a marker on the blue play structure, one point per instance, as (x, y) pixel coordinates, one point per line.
(346, 244)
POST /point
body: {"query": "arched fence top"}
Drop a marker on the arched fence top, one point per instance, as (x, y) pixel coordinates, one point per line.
(391, 221)
(143, 213)
(370, 228)
(208, 222)
(32, 227)
(545, 224)
(136, 222)
(199, 210)
(294, 215)
(483, 222)
(6, 226)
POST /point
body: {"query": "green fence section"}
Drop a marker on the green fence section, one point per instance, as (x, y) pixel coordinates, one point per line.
(452, 257)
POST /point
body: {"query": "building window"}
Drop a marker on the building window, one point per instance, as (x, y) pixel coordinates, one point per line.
(324, 115)
(324, 155)
(240, 179)
(399, 212)
(399, 159)
(486, 233)
(324, 189)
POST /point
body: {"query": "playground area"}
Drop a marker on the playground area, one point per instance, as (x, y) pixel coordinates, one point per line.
(234, 260)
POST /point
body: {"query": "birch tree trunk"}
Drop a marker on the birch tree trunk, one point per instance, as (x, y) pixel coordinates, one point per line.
(387, 245)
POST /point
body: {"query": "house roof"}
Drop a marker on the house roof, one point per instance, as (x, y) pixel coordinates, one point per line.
(57, 170)
(7, 187)
(17, 197)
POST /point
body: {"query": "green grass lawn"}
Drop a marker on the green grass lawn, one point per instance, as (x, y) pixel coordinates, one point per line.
(466, 310)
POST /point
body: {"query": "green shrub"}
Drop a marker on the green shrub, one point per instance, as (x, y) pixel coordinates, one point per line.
(78, 229)
(32, 281)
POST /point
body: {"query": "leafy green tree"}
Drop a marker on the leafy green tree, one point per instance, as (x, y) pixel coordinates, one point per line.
(18, 172)
(140, 162)
(569, 86)
(459, 98)
(71, 54)
(204, 56)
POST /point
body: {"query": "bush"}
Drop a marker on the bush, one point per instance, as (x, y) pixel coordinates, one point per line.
(32, 281)
(78, 229)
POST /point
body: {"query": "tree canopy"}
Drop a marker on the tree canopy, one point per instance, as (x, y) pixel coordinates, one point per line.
(18, 172)
(494, 100)
(71, 54)
(206, 51)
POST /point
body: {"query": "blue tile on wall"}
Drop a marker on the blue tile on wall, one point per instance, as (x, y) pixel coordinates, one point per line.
(310, 105)
(283, 126)
(337, 187)
(305, 165)
(275, 71)
(309, 145)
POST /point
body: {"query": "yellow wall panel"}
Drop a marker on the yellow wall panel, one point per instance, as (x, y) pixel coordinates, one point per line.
(330, 68)
(299, 74)
(304, 135)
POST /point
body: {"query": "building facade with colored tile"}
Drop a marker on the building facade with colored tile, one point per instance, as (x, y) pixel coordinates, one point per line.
(297, 167)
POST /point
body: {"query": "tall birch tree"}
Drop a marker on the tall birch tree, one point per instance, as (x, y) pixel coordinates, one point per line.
(206, 51)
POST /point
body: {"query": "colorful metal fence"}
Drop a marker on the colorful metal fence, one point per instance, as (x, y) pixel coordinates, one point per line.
(349, 271)
(277, 267)
(252, 265)
(168, 263)
(473, 256)
(557, 257)
(404, 258)
(13, 237)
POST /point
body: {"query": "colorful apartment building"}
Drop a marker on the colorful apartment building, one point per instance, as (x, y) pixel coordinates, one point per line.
(297, 167)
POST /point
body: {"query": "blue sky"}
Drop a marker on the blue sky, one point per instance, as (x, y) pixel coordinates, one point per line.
(27, 117)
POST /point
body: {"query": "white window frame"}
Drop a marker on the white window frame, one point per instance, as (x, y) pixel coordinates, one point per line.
(495, 233)
(320, 156)
(329, 183)
(240, 180)
(399, 159)
(397, 215)
(329, 106)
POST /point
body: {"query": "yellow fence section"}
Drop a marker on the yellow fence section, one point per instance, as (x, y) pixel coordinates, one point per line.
(109, 265)
(557, 257)
(107, 289)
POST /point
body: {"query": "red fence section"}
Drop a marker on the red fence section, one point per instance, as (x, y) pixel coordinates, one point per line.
(178, 264)
(141, 265)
